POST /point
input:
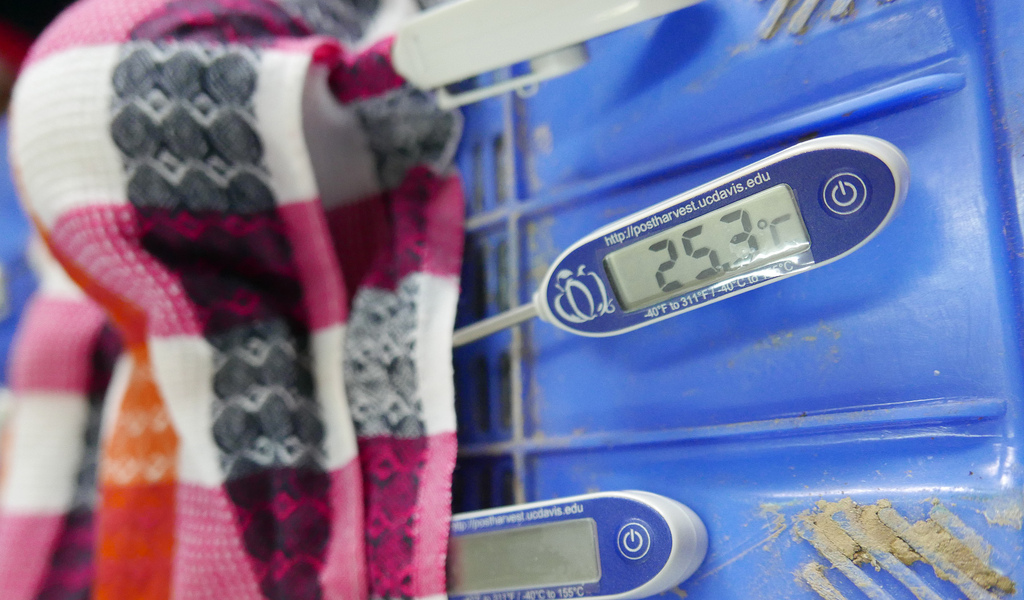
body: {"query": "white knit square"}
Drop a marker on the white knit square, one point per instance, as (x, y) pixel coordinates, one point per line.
(62, 150)
(435, 320)
(47, 441)
(183, 369)
(278, 106)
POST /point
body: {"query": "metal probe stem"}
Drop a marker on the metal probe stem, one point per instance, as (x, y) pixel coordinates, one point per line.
(471, 333)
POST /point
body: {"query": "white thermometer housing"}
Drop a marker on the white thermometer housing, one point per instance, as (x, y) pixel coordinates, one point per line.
(466, 38)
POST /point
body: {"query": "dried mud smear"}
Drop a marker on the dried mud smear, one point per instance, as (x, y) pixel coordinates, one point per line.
(814, 574)
(928, 536)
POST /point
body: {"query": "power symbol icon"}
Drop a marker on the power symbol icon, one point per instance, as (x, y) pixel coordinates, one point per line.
(844, 194)
(634, 541)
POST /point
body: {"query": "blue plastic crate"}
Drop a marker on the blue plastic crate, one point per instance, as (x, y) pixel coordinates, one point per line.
(891, 378)
(17, 281)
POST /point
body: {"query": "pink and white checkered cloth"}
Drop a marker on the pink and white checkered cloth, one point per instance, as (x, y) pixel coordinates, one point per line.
(269, 216)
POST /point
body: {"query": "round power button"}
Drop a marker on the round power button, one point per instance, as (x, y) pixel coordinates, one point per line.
(634, 541)
(844, 194)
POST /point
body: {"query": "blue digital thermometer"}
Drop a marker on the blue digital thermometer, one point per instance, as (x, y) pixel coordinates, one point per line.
(611, 545)
(794, 211)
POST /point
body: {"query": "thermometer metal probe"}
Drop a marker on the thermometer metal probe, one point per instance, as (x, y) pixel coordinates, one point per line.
(794, 211)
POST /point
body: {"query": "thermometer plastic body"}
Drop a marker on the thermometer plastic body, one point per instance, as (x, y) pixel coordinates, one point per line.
(613, 545)
(797, 210)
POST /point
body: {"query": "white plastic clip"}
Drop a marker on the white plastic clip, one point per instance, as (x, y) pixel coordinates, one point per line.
(457, 41)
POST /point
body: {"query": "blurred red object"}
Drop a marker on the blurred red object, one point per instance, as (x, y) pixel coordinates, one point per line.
(14, 44)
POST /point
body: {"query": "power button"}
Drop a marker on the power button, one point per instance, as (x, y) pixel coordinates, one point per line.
(634, 541)
(844, 194)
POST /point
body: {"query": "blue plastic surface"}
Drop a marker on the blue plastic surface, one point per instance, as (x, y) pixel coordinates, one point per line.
(892, 377)
(17, 282)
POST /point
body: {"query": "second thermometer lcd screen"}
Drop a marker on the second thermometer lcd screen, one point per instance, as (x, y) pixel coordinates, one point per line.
(724, 243)
(528, 557)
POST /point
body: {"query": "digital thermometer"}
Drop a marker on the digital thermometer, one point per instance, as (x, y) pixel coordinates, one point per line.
(608, 545)
(794, 211)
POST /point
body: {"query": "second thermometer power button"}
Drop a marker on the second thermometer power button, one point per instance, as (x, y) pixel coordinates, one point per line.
(844, 194)
(634, 541)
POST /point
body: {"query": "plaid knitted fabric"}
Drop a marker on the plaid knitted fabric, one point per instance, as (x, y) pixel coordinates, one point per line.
(61, 363)
(267, 213)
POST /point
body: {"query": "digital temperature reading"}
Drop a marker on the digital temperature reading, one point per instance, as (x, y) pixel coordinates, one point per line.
(797, 210)
(731, 240)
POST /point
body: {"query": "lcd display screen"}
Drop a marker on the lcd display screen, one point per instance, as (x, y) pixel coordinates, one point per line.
(529, 557)
(724, 243)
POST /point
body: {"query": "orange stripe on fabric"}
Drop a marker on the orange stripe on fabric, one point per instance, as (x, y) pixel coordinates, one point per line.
(142, 447)
(136, 542)
(138, 486)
